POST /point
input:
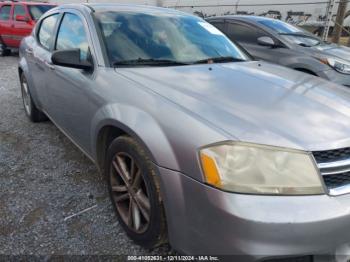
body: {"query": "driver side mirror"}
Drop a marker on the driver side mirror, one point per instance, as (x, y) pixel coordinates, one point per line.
(22, 18)
(266, 41)
(70, 58)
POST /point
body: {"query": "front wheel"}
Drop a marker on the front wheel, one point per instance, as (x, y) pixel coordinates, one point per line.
(135, 192)
(32, 112)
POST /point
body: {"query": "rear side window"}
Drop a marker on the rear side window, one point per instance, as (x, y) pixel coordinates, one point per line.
(46, 30)
(19, 10)
(5, 12)
(71, 35)
(243, 33)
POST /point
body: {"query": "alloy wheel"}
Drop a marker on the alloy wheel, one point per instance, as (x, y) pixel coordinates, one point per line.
(129, 193)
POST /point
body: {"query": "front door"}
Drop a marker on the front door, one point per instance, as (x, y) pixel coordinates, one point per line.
(247, 36)
(68, 88)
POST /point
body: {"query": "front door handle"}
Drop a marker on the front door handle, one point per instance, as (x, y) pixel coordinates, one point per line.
(50, 65)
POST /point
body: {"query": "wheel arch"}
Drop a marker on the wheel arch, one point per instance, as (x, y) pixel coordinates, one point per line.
(105, 136)
(23, 69)
(305, 70)
(116, 120)
(20, 71)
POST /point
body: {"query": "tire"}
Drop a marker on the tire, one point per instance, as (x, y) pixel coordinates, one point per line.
(3, 50)
(142, 194)
(32, 112)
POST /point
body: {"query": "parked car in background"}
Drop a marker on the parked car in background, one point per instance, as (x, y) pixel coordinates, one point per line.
(285, 44)
(200, 146)
(17, 20)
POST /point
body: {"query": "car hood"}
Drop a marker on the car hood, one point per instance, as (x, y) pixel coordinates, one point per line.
(256, 102)
(333, 50)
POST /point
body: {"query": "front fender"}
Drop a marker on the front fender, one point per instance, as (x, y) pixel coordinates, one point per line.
(308, 63)
(141, 126)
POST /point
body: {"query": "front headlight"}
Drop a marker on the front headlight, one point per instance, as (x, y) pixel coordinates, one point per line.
(339, 65)
(257, 169)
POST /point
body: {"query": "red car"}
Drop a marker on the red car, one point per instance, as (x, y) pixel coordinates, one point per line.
(17, 20)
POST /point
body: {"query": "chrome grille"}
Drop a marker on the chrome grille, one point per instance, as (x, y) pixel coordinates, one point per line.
(332, 155)
(337, 180)
(334, 166)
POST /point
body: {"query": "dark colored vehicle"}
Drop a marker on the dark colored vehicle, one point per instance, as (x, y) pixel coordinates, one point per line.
(17, 20)
(200, 145)
(285, 44)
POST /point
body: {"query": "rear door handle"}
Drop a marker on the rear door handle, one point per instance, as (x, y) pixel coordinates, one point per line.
(50, 65)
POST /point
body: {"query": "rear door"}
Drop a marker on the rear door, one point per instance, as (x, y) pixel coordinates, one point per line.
(6, 25)
(20, 28)
(39, 52)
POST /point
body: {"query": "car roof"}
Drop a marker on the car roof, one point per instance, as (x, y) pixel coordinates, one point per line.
(248, 18)
(26, 3)
(103, 7)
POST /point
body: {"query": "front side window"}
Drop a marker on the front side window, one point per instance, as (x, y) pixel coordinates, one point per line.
(46, 30)
(243, 33)
(163, 36)
(36, 11)
(19, 10)
(5, 12)
(71, 35)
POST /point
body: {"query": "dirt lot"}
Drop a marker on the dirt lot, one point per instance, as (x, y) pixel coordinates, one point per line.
(44, 179)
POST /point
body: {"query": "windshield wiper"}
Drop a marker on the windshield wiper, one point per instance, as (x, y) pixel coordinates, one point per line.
(219, 59)
(148, 61)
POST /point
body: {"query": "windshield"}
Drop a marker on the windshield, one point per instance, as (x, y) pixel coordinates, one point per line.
(36, 11)
(291, 33)
(181, 39)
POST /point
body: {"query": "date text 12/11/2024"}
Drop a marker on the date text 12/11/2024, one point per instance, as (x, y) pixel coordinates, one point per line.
(173, 258)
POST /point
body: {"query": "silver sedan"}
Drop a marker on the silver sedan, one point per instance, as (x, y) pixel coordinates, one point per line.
(201, 146)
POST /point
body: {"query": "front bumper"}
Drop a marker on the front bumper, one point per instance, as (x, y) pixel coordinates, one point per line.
(335, 77)
(204, 220)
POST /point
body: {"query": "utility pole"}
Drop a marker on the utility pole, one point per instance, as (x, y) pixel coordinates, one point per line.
(328, 21)
(237, 3)
(339, 20)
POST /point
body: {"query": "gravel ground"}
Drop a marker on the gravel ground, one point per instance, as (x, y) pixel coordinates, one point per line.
(44, 178)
